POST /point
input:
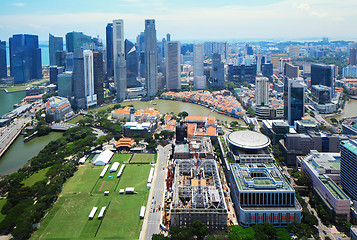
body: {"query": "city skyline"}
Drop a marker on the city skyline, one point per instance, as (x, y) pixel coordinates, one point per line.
(209, 20)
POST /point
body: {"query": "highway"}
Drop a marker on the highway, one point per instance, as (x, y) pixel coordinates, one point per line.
(153, 219)
(9, 133)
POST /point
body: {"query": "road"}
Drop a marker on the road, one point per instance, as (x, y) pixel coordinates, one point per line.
(9, 134)
(152, 221)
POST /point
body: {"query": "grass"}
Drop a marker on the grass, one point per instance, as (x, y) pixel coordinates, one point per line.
(106, 183)
(121, 158)
(36, 177)
(142, 158)
(16, 88)
(68, 218)
(76, 119)
(2, 203)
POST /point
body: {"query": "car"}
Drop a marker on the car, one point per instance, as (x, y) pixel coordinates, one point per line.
(343, 235)
(324, 232)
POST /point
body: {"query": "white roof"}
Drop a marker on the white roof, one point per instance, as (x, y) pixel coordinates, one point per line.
(248, 140)
(104, 157)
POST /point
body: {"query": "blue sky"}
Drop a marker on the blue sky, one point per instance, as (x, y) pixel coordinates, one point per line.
(195, 20)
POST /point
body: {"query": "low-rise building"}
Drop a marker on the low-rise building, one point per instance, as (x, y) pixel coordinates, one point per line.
(324, 171)
(304, 125)
(261, 194)
(58, 108)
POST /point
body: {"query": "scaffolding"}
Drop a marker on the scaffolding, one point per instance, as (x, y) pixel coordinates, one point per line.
(198, 194)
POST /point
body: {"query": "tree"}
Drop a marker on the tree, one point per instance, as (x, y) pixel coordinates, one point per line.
(334, 120)
(183, 114)
(159, 237)
(251, 126)
(199, 230)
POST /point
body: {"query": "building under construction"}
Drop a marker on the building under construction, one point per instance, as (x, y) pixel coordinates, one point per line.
(197, 194)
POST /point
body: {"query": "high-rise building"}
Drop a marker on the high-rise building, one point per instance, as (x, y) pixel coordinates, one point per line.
(90, 96)
(294, 100)
(150, 58)
(163, 41)
(132, 64)
(349, 71)
(294, 51)
(217, 71)
(25, 58)
(349, 167)
(274, 58)
(322, 75)
(198, 70)
(109, 40)
(76, 40)
(78, 79)
(54, 71)
(261, 91)
(3, 65)
(243, 73)
(267, 70)
(168, 37)
(119, 59)
(64, 86)
(353, 56)
(207, 48)
(260, 59)
(282, 62)
(173, 66)
(55, 47)
(98, 76)
(291, 71)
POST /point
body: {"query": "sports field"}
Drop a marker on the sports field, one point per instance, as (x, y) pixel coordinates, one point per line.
(121, 157)
(68, 218)
(142, 158)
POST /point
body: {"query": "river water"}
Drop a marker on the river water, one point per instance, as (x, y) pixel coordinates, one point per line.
(19, 152)
(168, 106)
(7, 100)
(350, 110)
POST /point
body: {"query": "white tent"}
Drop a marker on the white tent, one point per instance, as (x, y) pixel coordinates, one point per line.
(103, 158)
(114, 167)
(92, 213)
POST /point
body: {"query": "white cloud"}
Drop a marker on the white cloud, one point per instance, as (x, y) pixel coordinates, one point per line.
(19, 4)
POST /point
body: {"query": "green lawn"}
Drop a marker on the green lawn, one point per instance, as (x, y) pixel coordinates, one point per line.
(76, 119)
(106, 183)
(16, 88)
(83, 180)
(142, 158)
(121, 157)
(36, 177)
(68, 218)
(2, 203)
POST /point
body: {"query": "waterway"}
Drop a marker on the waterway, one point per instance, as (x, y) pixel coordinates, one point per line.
(350, 110)
(7, 100)
(168, 106)
(19, 152)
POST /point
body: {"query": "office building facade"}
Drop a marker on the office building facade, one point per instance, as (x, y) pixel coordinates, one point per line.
(173, 66)
(90, 96)
(294, 100)
(349, 167)
(291, 71)
(109, 41)
(119, 59)
(322, 75)
(25, 58)
(64, 86)
(55, 47)
(78, 79)
(3, 64)
(199, 80)
(150, 58)
(132, 64)
(217, 75)
(76, 40)
(243, 73)
(98, 76)
(261, 91)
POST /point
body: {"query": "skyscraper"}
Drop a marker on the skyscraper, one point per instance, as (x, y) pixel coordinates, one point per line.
(353, 54)
(322, 75)
(132, 64)
(199, 80)
(150, 58)
(98, 76)
(294, 51)
(25, 58)
(78, 79)
(349, 167)
(173, 66)
(217, 71)
(168, 37)
(90, 96)
(3, 65)
(294, 100)
(55, 46)
(64, 86)
(261, 91)
(119, 59)
(76, 40)
(109, 39)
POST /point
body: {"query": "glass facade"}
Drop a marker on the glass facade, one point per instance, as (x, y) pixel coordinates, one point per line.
(55, 46)
(109, 39)
(75, 40)
(294, 97)
(3, 67)
(132, 64)
(25, 58)
(349, 167)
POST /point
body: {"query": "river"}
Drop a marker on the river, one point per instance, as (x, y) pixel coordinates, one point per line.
(19, 152)
(168, 106)
(7, 100)
(350, 110)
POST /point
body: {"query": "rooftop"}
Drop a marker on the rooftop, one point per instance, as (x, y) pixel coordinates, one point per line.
(248, 140)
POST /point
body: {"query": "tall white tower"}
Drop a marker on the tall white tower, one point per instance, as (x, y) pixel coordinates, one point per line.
(90, 97)
(150, 58)
(199, 80)
(119, 59)
(261, 91)
(173, 65)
